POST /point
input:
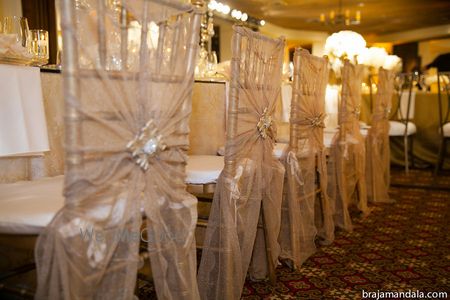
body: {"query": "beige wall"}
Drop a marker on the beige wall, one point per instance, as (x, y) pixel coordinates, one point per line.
(412, 35)
(226, 32)
(10, 8)
(429, 50)
(315, 38)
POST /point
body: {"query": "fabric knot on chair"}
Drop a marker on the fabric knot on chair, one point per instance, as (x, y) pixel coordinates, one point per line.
(146, 144)
(317, 121)
(387, 112)
(264, 125)
(357, 111)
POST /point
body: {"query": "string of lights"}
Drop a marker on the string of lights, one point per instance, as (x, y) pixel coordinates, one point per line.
(226, 11)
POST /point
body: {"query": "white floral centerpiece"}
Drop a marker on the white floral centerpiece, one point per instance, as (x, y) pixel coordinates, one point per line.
(342, 45)
(376, 57)
(393, 62)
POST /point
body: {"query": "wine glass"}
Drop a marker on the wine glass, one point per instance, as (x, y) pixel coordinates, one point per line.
(423, 82)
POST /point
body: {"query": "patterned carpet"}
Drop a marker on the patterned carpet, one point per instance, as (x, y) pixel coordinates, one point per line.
(399, 247)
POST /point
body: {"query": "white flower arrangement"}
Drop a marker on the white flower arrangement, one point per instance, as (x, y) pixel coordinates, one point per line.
(345, 44)
(393, 62)
(342, 45)
(352, 46)
(373, 57)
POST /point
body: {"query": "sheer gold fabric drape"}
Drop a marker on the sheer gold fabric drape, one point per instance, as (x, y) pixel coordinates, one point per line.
(378, 151)
(90, 248)
(304, 160)
(252, 186)
(348, 152)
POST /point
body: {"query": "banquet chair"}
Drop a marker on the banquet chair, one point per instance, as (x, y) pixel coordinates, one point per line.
(403, 127)
(244, 221)
(305, 162)
(444, 120)
(348, 154)
(126, 134)
(377, 142)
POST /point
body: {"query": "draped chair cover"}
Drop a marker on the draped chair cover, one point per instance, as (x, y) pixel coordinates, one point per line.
(303, 159)
(348, 150)
(377, 144)
(252, 178)
(125, 153)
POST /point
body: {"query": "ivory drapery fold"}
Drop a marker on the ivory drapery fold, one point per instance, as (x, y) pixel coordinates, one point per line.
(133, 141)
(253, 186)
(348, 150)
(303, 159)
(378, 151)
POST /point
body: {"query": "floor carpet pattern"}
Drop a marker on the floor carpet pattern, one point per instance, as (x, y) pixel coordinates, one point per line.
(399, 247)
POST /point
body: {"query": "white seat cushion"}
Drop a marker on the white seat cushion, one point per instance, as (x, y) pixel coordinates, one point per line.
(446, 128)
(364, 131)
(26, 207)
(398, 128)
(363, 125)
(330, 130)
(203, 169)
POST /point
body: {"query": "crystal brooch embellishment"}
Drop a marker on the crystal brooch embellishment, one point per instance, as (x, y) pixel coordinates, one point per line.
(147, 144)
(264, 125)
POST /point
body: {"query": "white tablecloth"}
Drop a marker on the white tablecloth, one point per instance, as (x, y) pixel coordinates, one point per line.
(23, 128)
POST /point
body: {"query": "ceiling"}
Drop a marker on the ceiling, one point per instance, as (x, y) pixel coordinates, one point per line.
(378, 17)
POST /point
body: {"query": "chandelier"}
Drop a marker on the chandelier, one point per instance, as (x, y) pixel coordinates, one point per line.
(341, 17)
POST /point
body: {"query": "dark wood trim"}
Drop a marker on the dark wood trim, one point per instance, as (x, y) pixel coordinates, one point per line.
(41, 14)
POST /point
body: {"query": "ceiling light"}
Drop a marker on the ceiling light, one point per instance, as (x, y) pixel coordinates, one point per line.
(340, 17)
(212, 5)
(226, 9)
(217, 6)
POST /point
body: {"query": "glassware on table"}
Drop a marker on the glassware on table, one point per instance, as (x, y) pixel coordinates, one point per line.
(201, 68)
(18, 26)
(38, 45)
(211, 63)
(14, 41)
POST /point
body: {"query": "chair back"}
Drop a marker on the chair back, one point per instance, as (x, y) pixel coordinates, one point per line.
(128, 70)
(383, 99)
(404, 85)
(256, 69)
(308, 99)
(350, 106)
(251, 184)
(347, 163)
(377, 141)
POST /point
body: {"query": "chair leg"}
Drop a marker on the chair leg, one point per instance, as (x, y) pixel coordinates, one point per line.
(411, 150)
(271, 267)
(405, 152)
(441, 156)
